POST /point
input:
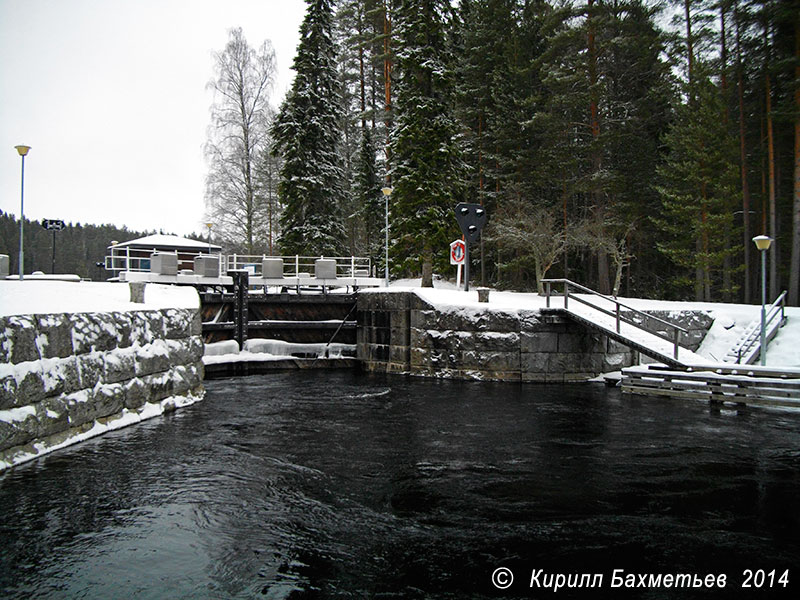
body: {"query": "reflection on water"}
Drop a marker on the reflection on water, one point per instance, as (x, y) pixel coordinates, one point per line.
(336, 485)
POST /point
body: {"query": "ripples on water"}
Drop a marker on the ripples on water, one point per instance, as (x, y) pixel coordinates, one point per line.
(335, 485)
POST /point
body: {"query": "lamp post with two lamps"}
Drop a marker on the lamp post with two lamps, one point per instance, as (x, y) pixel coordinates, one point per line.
(23, 152)
(763, 243)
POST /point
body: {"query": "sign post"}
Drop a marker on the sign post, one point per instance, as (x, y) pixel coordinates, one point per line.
(458, 252)
(471, 218)
(53, 225)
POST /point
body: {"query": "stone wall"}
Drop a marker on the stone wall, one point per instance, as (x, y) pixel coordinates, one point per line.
(400, 333)
(64, 377)
(695, 322)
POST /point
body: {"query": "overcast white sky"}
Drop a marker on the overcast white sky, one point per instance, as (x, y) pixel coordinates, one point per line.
(111, 96)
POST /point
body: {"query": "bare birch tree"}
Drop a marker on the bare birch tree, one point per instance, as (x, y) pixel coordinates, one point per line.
(236, 201)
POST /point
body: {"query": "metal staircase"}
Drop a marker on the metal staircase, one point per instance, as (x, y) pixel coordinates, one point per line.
(747, 348)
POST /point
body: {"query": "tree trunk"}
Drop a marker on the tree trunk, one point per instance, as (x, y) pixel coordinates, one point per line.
(619, 265)
(427, 267)
(387, 79)
(594, 125)
(727, 285)
(794, 269)
(748, 276)
(537, 266)
(480, 191)
(689, 41)
(773, 223)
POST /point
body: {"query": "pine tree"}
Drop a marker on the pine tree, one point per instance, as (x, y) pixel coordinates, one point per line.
(427, 163)
(307, 137)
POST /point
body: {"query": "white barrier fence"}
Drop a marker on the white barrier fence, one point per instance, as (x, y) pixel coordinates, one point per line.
(346, 266)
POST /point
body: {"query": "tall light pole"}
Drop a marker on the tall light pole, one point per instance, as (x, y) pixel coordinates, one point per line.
(23, 152)
(387, 191)
(763, 243)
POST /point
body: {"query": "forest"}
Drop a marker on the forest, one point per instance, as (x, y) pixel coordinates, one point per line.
(633, 146)
(78, 248)
(630, 145)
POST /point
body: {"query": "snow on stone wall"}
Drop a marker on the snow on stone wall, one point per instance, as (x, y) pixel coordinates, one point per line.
(65, 377)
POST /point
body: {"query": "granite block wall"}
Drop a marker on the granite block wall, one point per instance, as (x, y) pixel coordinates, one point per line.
(62, 375)
(400, 333)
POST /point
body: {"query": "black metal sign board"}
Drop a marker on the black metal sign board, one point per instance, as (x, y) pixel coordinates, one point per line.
(471, 219)
(53, 224)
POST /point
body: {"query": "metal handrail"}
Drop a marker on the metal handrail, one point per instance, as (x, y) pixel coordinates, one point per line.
(617, 313)
(779, 306)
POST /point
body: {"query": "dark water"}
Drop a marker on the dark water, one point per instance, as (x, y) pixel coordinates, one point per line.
(335, 485)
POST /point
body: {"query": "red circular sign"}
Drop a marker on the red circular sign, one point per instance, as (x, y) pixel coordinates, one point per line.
(457, 252)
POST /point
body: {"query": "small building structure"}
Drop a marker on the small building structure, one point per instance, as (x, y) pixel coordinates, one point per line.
(135, 255)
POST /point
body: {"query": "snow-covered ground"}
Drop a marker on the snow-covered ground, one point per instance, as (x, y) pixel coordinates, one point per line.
(40, 297)
(48, 297)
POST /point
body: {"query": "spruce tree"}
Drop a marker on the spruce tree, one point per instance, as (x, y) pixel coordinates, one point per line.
(307, 137)
(699, 183)
(427, 163)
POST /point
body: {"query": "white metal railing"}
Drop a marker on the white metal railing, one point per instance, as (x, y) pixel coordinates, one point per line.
(346, 266)
(124, 262)
(137, 260)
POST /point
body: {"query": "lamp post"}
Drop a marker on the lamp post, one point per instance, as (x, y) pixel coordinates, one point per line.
(23, 152)
(763, 243)
(387, 191)
(209, 225)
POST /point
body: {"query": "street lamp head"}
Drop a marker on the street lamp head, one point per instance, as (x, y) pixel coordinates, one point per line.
(23, 150)
(762, 242)
(387, 190)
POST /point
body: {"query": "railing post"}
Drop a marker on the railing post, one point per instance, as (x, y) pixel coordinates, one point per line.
(566, 294)
(296, 265)
(677, 341)
(617, 304)
(547, 294)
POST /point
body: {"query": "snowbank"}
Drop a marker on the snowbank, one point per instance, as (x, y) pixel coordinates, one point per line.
(30, 297)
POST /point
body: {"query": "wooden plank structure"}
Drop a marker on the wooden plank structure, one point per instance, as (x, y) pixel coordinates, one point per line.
(719, 385)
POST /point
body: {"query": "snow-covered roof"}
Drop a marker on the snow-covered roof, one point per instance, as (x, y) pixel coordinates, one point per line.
(171, 242)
